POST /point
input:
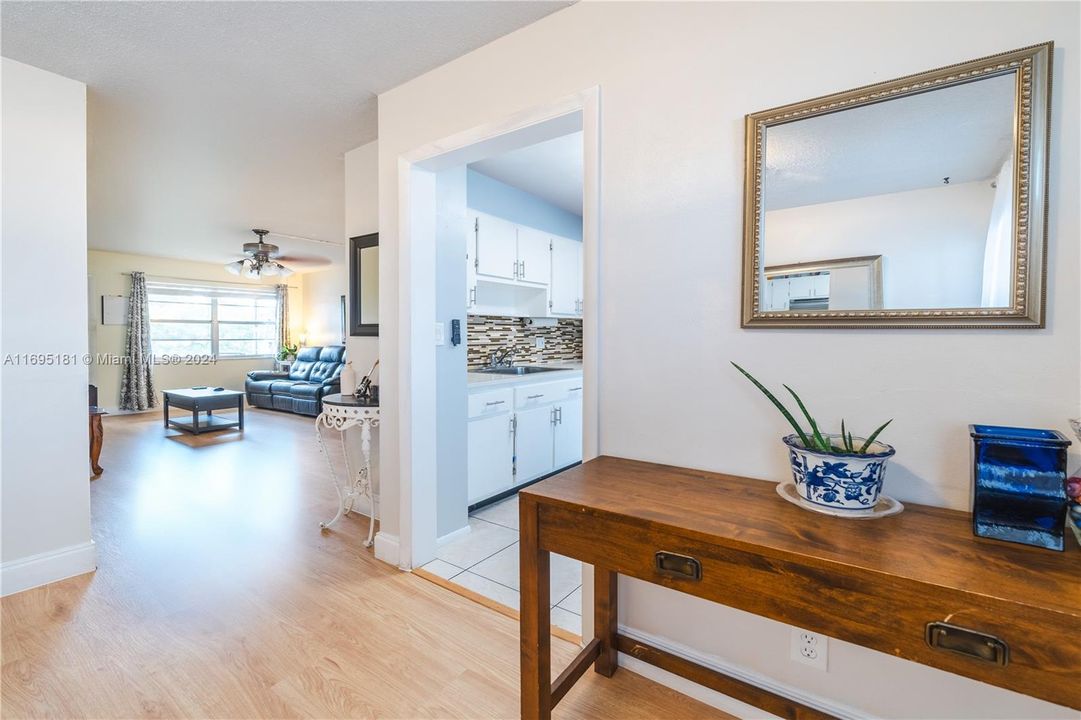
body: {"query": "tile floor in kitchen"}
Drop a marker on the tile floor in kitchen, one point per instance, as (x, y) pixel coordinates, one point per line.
(485, 560)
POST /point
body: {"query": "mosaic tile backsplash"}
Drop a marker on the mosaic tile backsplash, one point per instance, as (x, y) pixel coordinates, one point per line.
(486, 334)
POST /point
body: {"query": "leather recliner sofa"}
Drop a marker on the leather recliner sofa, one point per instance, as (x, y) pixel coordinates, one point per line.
(315, 374)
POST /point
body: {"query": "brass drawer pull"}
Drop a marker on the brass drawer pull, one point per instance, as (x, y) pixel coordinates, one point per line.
(676, 565)
(970, 643)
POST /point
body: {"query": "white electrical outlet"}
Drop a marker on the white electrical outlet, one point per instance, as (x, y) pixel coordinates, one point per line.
(539, 343)
(810, 648)
(440, 333)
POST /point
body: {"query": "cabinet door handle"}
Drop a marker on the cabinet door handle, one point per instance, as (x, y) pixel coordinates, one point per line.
(577, 388)
(533, 397)
(559, 415)
(516, 268)
(495, 402)
(523, 269)
(472, 296)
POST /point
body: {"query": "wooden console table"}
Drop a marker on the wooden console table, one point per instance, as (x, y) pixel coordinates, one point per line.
(897, 585)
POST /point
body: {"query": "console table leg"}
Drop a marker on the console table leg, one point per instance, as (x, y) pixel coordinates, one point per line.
(330, 466)
(97, 434)
(535, 618)
(606, 619)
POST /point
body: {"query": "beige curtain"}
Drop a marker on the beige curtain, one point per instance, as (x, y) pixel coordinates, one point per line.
(283, 315)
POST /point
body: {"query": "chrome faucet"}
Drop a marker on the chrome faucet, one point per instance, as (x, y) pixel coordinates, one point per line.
(502, 358)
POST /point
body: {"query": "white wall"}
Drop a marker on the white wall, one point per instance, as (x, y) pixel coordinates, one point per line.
(495, 197)
(44, 470)
(362, 218)
(323, 289)
(931, 240)
(676, 81)
(452, 501)
(322, 304)
(109, 276)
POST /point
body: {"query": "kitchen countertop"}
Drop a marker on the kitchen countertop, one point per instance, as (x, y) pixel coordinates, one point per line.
(567, 370)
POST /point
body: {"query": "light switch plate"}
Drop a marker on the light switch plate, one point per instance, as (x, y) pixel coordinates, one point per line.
(440, 333)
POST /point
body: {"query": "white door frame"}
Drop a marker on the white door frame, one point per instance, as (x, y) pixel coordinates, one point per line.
(416, 291)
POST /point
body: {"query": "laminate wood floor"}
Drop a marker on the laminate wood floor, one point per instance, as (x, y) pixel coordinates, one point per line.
(217, 596)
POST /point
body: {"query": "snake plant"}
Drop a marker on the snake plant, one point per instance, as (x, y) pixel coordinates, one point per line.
(816, 440)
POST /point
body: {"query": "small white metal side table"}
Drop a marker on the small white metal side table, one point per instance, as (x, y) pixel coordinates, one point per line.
(341, 412)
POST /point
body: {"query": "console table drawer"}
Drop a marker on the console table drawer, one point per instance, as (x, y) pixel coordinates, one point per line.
(889, 613)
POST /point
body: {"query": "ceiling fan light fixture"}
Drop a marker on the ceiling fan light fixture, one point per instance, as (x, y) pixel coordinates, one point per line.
(260, 261)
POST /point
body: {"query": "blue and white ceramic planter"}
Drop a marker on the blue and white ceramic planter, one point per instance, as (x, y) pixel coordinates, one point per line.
(842, 482)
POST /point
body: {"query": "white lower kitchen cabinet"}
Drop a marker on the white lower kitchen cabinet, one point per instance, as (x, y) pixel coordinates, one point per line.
(534, 435)
(567, 433)
(520, 432)
(491, 455)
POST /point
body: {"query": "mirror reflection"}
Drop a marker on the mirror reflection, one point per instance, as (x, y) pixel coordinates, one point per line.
(369, 285)
(364, 285)
(902, 204)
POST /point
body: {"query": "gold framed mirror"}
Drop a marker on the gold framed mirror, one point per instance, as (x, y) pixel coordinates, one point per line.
(916, 202)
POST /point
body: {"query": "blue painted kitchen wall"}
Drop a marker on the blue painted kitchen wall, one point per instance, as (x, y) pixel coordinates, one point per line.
(495, 198)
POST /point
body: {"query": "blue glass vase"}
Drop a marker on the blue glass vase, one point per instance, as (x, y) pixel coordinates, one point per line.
(1019, 485)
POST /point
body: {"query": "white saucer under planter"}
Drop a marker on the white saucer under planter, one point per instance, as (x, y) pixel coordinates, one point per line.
(885, 507)
(846, 482)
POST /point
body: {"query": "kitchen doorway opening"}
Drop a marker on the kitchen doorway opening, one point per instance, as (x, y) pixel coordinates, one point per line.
(500, 235)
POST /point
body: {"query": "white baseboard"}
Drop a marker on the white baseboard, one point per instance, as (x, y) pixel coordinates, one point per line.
(454, 535)
(47, 567)
(387, 548)
(712, 697)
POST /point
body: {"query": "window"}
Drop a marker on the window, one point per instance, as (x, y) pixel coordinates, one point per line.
(218, 320)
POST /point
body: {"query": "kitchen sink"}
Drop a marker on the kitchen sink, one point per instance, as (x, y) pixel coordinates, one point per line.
(517, 370)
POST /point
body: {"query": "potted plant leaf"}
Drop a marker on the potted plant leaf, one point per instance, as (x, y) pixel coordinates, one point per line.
(841, 471)
(288, 352)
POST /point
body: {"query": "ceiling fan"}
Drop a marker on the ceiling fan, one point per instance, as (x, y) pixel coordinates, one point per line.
(262, 260)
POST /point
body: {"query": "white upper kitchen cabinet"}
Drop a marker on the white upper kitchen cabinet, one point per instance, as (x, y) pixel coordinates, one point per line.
(565, 285)
(534, 258)
(820, 286)
(800, 287)
(470, 271)
(496, 246)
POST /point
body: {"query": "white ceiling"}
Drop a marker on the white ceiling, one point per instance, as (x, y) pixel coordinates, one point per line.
(551, 170)
(963, 132)
(209, 118)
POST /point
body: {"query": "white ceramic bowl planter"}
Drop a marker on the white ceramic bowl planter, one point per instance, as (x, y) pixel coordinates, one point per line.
(841, 481)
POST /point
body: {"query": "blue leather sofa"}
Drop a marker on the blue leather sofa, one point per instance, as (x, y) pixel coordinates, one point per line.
(315, 374)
